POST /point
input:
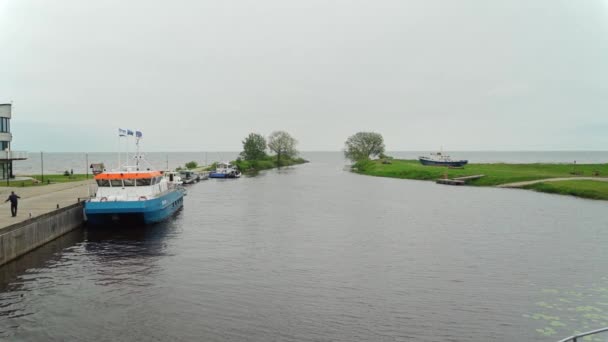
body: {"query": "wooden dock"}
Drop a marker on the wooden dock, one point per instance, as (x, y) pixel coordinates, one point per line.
(458, 180)
(468, 178)
(448, 181)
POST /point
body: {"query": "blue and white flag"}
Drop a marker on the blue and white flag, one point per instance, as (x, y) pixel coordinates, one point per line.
(122, 132)
(138, 134)
(129, 132)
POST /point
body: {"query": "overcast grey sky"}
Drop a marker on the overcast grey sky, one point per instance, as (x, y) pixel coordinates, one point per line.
(199, 75)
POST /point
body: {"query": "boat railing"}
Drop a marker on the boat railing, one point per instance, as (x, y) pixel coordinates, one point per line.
(575, 338)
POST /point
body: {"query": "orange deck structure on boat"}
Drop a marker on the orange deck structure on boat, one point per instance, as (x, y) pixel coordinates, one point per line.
(128, 175)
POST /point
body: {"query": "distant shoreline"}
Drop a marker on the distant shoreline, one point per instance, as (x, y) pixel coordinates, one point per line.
(252, 167)
(580, 180)
(37, 151)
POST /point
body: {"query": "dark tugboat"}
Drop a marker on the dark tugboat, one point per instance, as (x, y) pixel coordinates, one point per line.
(440, 159)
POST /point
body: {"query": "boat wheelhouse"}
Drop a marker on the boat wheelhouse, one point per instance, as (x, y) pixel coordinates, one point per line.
(173, 177)
(125, 186)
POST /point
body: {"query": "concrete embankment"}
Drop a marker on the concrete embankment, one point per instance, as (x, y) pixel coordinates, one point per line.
(45, 213)
(22, 237)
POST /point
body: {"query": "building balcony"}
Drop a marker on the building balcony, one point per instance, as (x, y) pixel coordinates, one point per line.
(6, 136)
(13, 155)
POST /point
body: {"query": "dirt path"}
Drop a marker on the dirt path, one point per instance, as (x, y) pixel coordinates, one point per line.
(522, 184)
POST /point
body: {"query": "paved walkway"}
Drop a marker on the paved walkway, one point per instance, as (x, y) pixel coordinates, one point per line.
(21, 178)
(522, 184)
(39, 200)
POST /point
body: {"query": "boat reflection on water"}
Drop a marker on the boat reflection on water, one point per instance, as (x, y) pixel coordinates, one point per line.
(127, 257)
(104, 245)
(43, 257)
(120, 259)
(134, 240)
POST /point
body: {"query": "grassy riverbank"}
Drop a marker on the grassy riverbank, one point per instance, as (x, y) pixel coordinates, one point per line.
(267, 163)
(579, 188)
(48, 179)
(495, 174)
(499, 174)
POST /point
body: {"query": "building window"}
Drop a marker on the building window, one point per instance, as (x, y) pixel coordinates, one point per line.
(5, 126)
(3, 145)
(4, 170)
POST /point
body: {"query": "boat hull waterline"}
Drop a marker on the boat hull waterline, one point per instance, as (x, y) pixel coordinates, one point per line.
(453, 163)
(145, 211)
(223, 175)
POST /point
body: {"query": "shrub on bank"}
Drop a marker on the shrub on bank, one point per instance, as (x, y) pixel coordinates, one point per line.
(191, 165)
(363, 165)
(268, 162)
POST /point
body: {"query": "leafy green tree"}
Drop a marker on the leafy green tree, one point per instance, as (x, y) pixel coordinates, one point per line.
(191, 165)
(283, 144)
(364, 145)
(254, 147)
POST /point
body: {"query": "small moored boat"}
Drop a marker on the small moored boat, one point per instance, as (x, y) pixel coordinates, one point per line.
(440, 159)
(173, 177)
(189, 177)
(225, 170)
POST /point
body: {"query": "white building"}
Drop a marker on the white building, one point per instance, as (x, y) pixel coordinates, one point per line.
(7, 155)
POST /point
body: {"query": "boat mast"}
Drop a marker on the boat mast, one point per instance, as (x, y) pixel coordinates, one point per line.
(121, 134)
(138, 136)
(127, 160)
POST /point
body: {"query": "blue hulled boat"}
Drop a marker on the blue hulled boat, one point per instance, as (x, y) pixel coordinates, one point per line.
(440, 159)
(134, 195)
(225, 170)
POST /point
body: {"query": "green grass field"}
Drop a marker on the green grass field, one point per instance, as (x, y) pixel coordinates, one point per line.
(495, 174)
(579, 188)
(48, 179)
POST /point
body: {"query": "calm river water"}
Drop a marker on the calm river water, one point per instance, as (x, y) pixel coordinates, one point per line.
(315, 253)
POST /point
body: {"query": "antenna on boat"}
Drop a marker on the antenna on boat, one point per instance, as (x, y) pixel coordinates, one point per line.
(119, 136)
(138, 136)
(122, 133)
(128, 142)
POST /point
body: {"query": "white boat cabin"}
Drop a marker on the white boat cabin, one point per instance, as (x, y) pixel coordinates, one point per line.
(225, 167)
(130, 185)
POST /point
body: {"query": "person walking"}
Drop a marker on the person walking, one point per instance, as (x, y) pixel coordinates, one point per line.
(14, 201)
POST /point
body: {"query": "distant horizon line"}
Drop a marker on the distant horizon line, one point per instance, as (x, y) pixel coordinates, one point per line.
(318, 151)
